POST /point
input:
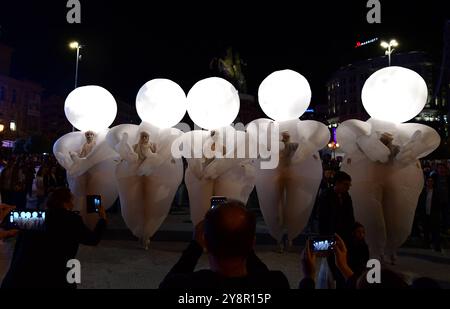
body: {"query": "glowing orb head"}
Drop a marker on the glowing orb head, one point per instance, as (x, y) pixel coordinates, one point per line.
(284, 95)
(161, 102)
(213, 103)
(90, 108)
(394, 94)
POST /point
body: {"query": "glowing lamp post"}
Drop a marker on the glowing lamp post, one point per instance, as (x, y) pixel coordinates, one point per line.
(333, 146)
(389, 48)
(77, 46)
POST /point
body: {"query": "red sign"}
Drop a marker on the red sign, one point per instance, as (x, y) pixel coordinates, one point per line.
(359, 44)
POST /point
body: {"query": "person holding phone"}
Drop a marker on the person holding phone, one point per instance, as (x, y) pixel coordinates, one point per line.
(5, 248)
(40, 257)
(338, 253)
(390, 278)
(228, 234)
(336, 215)
(4, 212)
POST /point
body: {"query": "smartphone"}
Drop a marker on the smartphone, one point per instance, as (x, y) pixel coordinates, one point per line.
(217, 200)
(26, 219)
(322, 245)
(93, 202)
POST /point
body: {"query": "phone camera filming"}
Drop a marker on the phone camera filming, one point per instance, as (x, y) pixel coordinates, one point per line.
(217, 200)
(323, 245)
(27, 220)
(93, 202)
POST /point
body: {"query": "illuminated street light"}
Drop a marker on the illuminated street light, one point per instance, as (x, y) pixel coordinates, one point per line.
(389, 49)
(74, 45)
(77, 46)
(333, 146)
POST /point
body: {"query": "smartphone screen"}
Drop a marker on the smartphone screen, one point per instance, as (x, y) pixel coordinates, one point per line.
(93, 202)
(217, 200)
(26, 219)
(323, 244)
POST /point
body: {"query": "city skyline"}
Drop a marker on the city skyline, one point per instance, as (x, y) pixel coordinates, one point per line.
(127, 45)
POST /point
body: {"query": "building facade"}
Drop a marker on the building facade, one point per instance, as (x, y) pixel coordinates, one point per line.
(54, 121)
(20, 102)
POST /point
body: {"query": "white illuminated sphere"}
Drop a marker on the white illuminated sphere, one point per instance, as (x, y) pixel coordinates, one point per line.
(90, 108)
(394, 94)
(213, 103)
(161, 102)
(284, 95)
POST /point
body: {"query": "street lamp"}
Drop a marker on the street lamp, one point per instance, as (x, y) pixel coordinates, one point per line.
(389, 49)
(77, 46)
(333, 146)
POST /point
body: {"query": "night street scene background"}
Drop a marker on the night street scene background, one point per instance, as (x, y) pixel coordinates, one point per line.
(126, 44)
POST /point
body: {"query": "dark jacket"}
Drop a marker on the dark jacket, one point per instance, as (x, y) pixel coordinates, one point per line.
(357, 256)
(435, 206)
(335, 217)
(182, 275)
(40, 257)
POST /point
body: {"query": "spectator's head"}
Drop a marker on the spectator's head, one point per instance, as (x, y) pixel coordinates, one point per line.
(425, 283)
(429, 182)
(442, 169)
(60, 198)
(389, 280)
(229, 231)
(342, 182)
(359, 232)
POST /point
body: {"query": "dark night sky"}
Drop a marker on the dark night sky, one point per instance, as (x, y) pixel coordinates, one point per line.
(131, 42)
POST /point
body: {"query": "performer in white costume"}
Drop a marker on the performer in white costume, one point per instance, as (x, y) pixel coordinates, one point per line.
(286, 193)
(89, 161)
(89, 145)
(143, 147)
(148, 176)
(214, 167)
(382, 157)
